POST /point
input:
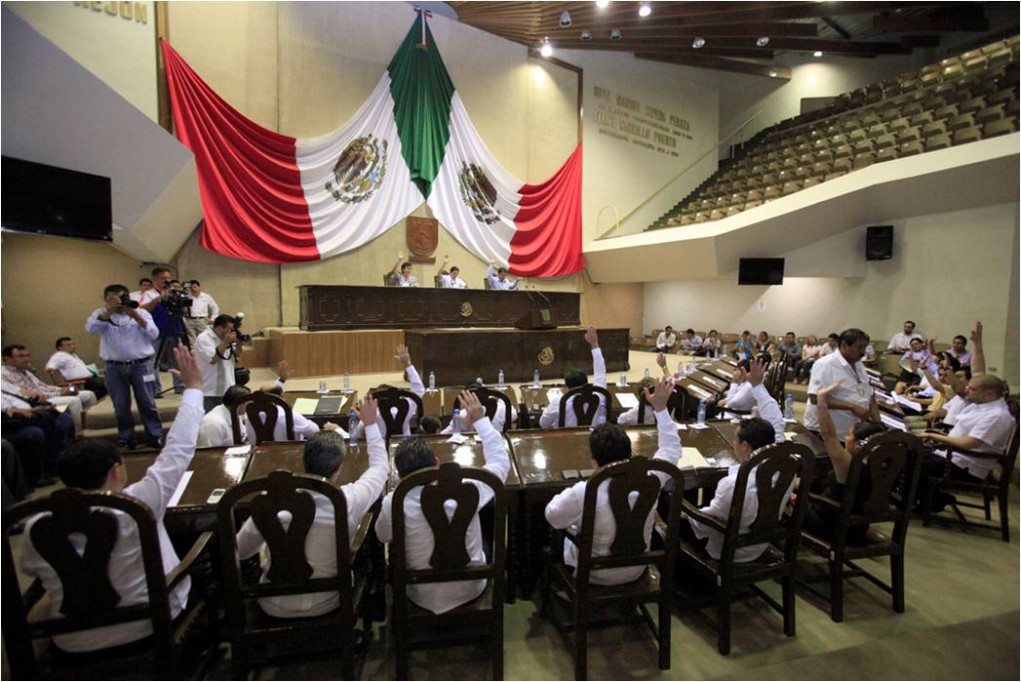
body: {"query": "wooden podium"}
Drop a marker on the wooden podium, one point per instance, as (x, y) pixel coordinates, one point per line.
(537, 318)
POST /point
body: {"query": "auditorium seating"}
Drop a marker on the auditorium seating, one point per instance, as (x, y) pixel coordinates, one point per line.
(961, 99)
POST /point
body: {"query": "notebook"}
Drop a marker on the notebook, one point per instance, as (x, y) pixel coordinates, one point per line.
(306, 406)
(329, 405)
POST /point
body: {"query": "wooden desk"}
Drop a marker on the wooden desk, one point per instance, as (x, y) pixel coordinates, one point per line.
(211, 469)
(268, 457)
(363, 307)
(717, 384)
(719, 368)
(339, 417)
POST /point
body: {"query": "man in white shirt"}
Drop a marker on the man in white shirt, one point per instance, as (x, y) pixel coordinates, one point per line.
(126, 338)
(666, 340)
(94, 465)
(323, 455)
(18, 377)
(304, 428)
(753, 434)
(451, 280)
(854, 399)
(831, 345)
(901, 342)
(629, 417)
(413, 455)
(983, 424)
(497, 278)
(144, 293)
(550, 417)
(691, 341)
(66, 363)
(609, 443)
(498, 420)
(402, 273)
(217, 348)
(217, 430)
(201, 313)
(739, 394)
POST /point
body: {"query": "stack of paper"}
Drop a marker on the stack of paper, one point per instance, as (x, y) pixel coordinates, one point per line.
(627, 400)
(692, 459)
(306, 406)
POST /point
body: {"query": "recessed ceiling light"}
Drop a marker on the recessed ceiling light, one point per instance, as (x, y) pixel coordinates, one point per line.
(772, 74)
(763, 41)
(585, 35)
(565, 19)
(602, 3)
(698, 43)
(644, 10)
(546, 50)
(615, 34)
(817, 53)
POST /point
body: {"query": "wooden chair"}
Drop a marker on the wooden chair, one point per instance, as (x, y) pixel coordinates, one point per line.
(89, 598)
(993, 488)
(395, 404)
(633, 477)
(787, 463)
(256, 637)
(418, 628)
(490, 401)
(585, 401)
(894, 461)
(263, 412)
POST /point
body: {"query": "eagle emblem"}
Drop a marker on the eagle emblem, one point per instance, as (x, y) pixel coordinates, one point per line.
(466, 309)
(546, 356)
(359, 171)
(478, 193)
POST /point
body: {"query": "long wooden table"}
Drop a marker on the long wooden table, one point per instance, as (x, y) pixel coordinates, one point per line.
(325, 307)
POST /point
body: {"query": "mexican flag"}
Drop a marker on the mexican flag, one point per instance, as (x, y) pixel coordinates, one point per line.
(272, 198)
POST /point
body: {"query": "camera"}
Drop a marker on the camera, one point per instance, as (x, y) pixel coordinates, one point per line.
(177, 301)
(243, 338)
(127, 302)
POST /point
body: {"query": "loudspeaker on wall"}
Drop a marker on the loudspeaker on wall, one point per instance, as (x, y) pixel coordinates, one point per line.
(879, 242)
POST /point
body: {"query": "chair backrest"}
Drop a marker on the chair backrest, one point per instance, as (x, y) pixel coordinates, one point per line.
(1009, 458)
(585, 401)
(775, 469)
(263, 412)
(89, 598)
(289, 571)
(491, 401)
(394, 408)
(449, 560)
(627, 478)
(892, 484)
(438, 281)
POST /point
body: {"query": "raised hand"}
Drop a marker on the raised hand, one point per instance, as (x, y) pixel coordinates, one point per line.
(661, 360)
(403, 356)
(284, 370)
(471, 407)
(592, 337)
(367, 409)
(976, 333)
(823, 394)
(756, 372)
(659, 399)
(188, 370)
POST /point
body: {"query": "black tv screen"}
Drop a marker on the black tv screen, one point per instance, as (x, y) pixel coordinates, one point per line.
(760, 271)
(42, 199)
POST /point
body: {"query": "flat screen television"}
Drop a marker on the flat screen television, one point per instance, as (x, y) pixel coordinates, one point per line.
(41, 199)
(760, 271)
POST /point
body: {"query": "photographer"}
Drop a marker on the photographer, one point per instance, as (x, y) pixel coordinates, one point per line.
(167, 306)
(216, 349)
(127, 334)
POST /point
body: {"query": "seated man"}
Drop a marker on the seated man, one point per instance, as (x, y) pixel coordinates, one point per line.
(608, 443)
(666, 340)
(917, 357)
(711, 345)
(217, 429)
(690, 341)
(451, 280)
(304, 427)
(499, 280)
(413, 455)
(39, 435)
(70, 368)
(831, 345)
(739, 394)
(959, 350)
(820, 517)
(744, 349)
(551, 415)
(790, 349)
(752, 434)
(498, 419)
(401, 273)
(629, 417)
(417, 387)
(983, 425)
(18, 377)
(95, 465)
(901, 342)
(322, 455)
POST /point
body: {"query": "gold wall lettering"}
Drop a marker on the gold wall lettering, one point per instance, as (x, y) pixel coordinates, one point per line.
(129, 11)
(624, 118)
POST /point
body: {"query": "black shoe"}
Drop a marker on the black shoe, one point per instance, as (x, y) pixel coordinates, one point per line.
(154, 443)
(127, 444)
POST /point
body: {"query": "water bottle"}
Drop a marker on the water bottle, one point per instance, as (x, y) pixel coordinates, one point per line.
(347, 382)
(755, 412)
(648, 373)
(352, 425)
(535, 377)
(680, 369)
(788, 407)
(622, 381)
(499, 379)
(723, 351)
(701, 412)
(455, 422)
(432, 381)
(322, 387)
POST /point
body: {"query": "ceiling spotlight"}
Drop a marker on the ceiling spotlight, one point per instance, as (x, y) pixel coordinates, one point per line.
(763, 41)
(565, 19)
(772, 74)
(644, 10)
(698, 43)
(817, 53)
(546, 50)
(602, 3)
(615, 34)
(585, 35)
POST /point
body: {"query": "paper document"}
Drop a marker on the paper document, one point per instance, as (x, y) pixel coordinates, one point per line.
(698, 392)
(457, 439)
(237, 451)
(790, 435)
(892, 422)
(917, 407)
(180, 489)
(698, 426)
(692, 459)
(627, 400)
(306, 406)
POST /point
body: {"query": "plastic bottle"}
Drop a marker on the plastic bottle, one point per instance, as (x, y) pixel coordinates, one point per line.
(535, 377)
(432, 381)
(788, 406)
(347, 382)
(352, 426)
(500, 379)
(623, 380)
(701, 412)
(455, 422)
(680, 369)
(648, 372)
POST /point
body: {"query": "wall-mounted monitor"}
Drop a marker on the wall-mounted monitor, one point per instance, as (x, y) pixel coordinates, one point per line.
(760, 271)
(41, 199)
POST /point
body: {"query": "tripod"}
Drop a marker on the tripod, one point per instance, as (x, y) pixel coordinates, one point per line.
(174, 330)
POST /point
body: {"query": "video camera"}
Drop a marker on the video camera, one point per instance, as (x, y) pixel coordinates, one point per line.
(127, 302)
(242, 337)
(177, 301)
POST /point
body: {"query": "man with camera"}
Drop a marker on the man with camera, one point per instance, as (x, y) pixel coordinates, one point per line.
(216, 349)
(167, 306)
(127, 332)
